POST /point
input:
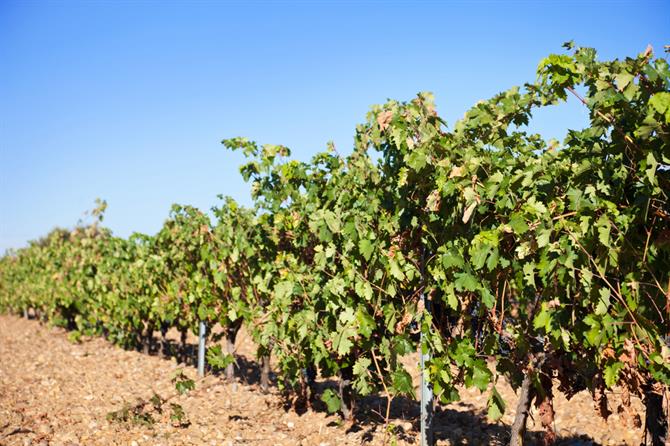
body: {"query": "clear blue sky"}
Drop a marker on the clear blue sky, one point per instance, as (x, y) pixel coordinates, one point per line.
(128, 101)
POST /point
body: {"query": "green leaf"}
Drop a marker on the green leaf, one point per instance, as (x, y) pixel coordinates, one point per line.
(652, 166)
(416, 160)
(496, 405)
(612, 373)
(184, 386)
(604, 231)
(492, 261)
(403, 346)
(182, 383)
(395, 270)
(603, 301)
(529, 273)
(367, 248)
(347, 315)
(332, 400)
(518, 223)
(361, 372)
(655, 357)
(202, 312)
(284, 289)
(452, 259)
(488, 299)
(543, 319)
(368, 293)
(478, 255)
(366, 323)
(178, 415)
(402, 383)
(623, 79)
(543, 237)
(466, 282)
(217, 359)
(333, 221)
(343, 341)
(481, 375)
(361, 366)
(661, 103)
(595, 333)
(452, 300)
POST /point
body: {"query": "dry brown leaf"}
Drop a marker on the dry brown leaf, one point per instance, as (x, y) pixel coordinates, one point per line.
(400, 326)
(420, 306)
(468, 212)
(600, 398)
(456, 171)
(629, 356)
(554, 303)
(608, 352)
(546, 413)
(384, 119)
(433, 201)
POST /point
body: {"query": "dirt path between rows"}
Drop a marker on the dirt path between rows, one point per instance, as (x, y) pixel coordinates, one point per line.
(55, 392)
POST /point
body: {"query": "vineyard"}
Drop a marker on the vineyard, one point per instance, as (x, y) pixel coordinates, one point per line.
(493, 252)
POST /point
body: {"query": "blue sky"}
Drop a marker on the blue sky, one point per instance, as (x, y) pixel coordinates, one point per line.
(128, 101)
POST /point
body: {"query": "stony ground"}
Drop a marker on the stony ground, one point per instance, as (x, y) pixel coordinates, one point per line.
(55, 392)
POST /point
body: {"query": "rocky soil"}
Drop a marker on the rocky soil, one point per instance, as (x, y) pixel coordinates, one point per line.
(55, 392)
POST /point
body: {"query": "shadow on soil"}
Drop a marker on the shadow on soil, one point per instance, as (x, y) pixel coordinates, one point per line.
(466, 426)
(247, 371)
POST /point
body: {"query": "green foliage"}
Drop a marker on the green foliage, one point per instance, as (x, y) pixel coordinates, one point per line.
(143, 412)
(217, 359)
(181, 382)
(523, 247)
(496, 405)
(138, 414)
(332, 400)
(178, 415)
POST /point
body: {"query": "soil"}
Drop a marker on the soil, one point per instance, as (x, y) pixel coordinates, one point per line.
(56, 392)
